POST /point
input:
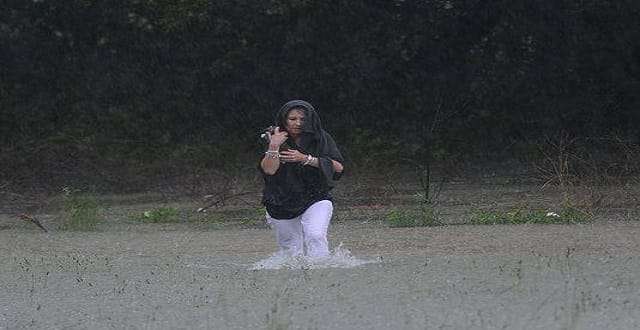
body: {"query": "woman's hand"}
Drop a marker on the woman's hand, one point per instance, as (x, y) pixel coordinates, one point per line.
(292, 156)
(277, 138)
(271, 160)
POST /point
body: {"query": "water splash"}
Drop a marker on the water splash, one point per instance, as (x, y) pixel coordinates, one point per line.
(340, 258)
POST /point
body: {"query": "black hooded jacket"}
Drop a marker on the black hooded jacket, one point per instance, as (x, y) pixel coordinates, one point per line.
(294, 187)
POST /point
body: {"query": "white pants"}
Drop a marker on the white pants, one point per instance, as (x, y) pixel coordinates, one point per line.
(308, 229)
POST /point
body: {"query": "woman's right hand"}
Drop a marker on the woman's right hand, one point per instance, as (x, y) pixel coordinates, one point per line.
(277, 138)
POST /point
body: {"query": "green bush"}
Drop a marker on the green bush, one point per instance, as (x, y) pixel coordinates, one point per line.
(253, 217)
(81, 212)
(572, 214)
(413, 217)
(160, 215)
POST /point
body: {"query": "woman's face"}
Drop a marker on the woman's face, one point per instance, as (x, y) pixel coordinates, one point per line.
(294, 121)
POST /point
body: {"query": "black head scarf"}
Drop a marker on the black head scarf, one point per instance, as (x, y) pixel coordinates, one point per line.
(314, 140)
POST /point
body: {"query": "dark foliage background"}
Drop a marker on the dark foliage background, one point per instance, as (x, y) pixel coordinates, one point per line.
(116, 93)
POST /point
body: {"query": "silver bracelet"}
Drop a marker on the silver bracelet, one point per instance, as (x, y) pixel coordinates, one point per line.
(273, 154)
(308, 161)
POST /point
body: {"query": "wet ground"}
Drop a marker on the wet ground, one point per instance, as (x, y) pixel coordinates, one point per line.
(172, 276)
(203, 273)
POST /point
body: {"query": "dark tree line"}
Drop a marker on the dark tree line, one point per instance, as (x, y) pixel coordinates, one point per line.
(112, 79)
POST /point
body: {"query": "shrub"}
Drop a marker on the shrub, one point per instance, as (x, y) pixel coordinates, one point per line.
(572, 214)
(160, 215)
(81, 212)
(413, 217)
(255, 217)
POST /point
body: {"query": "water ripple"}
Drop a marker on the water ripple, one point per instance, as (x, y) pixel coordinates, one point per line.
(339, 258)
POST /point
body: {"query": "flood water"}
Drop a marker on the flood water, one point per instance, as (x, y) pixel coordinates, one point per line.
(164, 277)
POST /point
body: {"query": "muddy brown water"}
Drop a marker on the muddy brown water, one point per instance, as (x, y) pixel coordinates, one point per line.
(458, 277)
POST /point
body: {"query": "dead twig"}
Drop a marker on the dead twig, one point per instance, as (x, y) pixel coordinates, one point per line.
(221, 200)
(32, 219)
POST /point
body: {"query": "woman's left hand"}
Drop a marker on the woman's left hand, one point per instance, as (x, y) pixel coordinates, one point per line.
(292, 156)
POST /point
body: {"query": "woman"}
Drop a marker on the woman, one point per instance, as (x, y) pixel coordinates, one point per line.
(300, 166)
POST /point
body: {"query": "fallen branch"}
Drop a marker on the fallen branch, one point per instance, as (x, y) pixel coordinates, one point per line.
(32, 219)
(221, 199)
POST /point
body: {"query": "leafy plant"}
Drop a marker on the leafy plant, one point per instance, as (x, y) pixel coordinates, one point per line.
(254, 217)
(81, 212)
(160, 215)
(573, 214)
(413, 217)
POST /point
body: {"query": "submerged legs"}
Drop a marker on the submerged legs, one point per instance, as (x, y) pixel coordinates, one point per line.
(308, 230)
